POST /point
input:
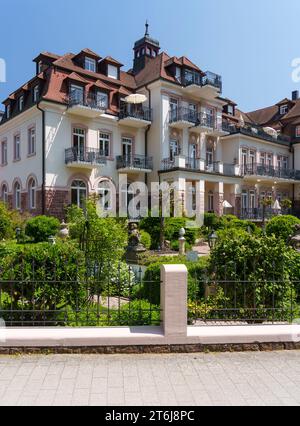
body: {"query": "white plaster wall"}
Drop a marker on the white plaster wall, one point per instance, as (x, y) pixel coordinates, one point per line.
(28, 165)
(59, 138)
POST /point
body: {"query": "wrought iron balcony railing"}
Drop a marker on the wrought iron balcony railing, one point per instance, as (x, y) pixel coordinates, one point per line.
(183, 114)
(210, 79)
(258, 132)
(135, 111)
(86, 155)
(91, 101)
(139, 162)
(196, 164)
(269, 171)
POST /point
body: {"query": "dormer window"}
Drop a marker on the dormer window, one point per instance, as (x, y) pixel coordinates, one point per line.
(283, 109)
(90, 64)
(102, 100)
(178, 74)
(230, 110)
(40, 67)
(21, 103)
(112, 72)
(8, 111)
(35, 93)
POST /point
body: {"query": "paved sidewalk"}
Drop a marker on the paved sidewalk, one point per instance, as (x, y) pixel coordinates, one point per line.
(268, 378)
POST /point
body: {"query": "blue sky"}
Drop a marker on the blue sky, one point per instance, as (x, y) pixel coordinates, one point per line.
(251, 44)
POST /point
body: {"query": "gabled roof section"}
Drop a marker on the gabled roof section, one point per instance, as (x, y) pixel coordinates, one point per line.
(89, 52)
(112, 61)
(101, 85)
(75, 77)
(265, 115)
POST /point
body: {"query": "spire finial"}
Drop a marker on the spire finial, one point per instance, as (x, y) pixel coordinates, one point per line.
(147, 29)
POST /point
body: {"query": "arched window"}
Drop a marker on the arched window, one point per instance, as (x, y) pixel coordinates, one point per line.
(17, 195)
(78, 193)
(32, 194)
(4, 193)
(105, 195)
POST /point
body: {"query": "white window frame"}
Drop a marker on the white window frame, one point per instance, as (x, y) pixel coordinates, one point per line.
(21, 103)
(105, 143)
(17, 195)
(32, 194)
(4, 153)
(102, 100)
(76, 186)
(36, 93)
(297, 132)
(105, 195)
(230, 109)
(283, 109)
(17, 147)
(4, 193)
(90, 64)
(31, 141)
(112, 72)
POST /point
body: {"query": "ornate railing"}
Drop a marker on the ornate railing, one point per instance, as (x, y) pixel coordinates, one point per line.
(86, 155)
(135, 162)
(271, 171)
(135, 111)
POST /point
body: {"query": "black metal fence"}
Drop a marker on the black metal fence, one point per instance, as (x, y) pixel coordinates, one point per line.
(90, 295)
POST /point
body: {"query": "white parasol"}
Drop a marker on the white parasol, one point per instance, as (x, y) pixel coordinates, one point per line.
(270, 131)
(227, 205)
(136, 98)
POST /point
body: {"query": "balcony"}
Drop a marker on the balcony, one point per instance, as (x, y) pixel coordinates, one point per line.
(259, 133)
(87, 158)
(183, 118)
(208, 86)
(135, 163)
(136, 116)
(263, 170)
(90, 106)
(199, 165)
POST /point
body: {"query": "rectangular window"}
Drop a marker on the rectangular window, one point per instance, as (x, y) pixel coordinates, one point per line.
(283, 109)
(8, 111)
(230, 110)
(35, 94)
(178, 74)
(31, 141)
(3, 153)
(112, 72)
(127, 148)
(104, 144)
(90, 64)
(76, 95)
(79, 143)
(298, 132)
(102, 100)
(21, 103)
(17, 148)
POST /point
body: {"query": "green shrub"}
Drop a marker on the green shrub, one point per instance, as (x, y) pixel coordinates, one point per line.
(211, 220)
(282, 226)
(42, 277)
(150, 288)
(146, 240)
(175, 246)
(6, 224)
(268, 267)
(40, 228)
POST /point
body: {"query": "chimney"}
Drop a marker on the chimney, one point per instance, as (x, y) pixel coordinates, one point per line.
(295, 95)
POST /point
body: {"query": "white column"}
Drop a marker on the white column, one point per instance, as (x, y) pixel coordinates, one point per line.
(219, 198)
(174, 300)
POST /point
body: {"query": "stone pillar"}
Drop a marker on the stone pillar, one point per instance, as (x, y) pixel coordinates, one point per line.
(174, 300)
(219, 198)
(185, 142)
(200, 202)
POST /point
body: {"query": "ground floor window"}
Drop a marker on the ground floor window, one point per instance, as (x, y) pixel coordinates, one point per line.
(105, 195)
(32, 194)
(17, 196)
(4, 193)
(78, 193)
